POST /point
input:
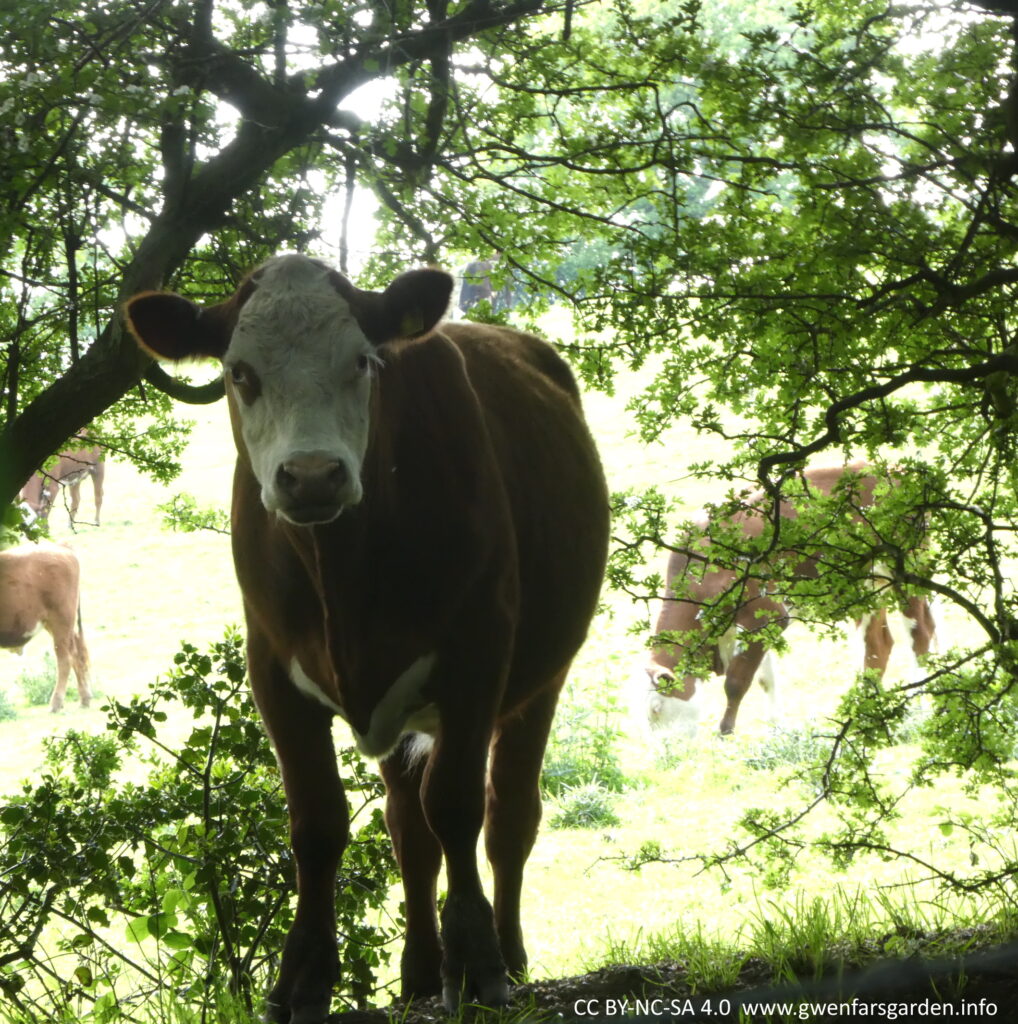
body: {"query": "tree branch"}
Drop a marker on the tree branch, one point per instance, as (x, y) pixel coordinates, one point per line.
(1007, 362)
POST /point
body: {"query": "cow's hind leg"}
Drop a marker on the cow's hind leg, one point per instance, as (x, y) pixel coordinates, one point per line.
(98, 472)
(75, 488)
(513, 813)
(923, 629)
(62, 648)
(301, 732)
(878, 642)
(767, 677)
(79, 661)
(420, 857)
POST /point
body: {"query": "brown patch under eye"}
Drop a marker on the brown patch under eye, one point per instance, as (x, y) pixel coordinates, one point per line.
(245, 381)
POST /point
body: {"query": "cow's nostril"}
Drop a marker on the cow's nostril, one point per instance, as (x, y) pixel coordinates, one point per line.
(285, 480)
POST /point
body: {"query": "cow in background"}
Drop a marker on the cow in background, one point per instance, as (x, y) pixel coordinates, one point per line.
(39, 589)
(477, 287)
(70, 469)
(737, 656)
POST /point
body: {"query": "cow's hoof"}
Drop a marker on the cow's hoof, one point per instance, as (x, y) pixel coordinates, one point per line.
(421, 974)
(472, 969)
(492, 992)
(280, 1012)
(303, 993)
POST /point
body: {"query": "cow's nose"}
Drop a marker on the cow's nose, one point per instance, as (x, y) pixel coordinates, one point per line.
(312, 480)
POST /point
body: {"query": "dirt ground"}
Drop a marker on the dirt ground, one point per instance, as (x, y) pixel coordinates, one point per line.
(982, 985)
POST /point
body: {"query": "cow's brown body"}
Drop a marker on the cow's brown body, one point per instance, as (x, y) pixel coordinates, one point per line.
(688, 595)
(70, 470)
(467, 574)
(39, 589)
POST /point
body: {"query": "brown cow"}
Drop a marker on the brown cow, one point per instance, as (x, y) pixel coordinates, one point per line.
(39, 589)
(737, 656)
(419, 531)
(70, 469)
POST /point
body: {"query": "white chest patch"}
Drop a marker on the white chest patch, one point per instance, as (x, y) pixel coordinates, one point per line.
(400, 711)
(310, 688)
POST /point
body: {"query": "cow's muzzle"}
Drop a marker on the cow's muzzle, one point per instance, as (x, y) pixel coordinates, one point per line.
(313, 488)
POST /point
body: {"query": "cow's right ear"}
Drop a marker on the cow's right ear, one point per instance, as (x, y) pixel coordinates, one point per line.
(171, 327)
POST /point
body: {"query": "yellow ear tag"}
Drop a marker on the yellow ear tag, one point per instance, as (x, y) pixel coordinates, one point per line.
(411, 324)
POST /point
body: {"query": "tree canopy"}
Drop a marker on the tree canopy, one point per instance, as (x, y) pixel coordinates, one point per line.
(804, 214)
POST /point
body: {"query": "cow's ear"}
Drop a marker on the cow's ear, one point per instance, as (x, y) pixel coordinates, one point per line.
(171, 327)
(410, 307)
(416, 301)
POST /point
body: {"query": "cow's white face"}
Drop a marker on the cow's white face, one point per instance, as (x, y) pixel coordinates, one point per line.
(670, 702)
(297, 342)
(298, 370)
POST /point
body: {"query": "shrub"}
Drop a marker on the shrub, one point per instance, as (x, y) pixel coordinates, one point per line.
(7, 709)
(910, 729)
(36, 685)
(589, 806)
(788, 747)
(175, 890)
(582, 747)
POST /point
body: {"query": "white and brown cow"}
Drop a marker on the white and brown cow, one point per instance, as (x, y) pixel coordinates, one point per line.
(673, 700)
(70, 469)
(419, 530)
(39, 589)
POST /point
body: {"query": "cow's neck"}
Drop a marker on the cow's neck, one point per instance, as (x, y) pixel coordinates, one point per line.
(365, 567)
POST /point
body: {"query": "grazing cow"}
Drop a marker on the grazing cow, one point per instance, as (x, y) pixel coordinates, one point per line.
(39, 589)
(71, 468)
(419, 531)
(737, 656)
(476, 285)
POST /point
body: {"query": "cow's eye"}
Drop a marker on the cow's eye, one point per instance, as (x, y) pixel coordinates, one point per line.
(363, 364)
(245, 380)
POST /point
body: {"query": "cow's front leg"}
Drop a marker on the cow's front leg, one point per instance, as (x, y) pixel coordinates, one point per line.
(453, 797)
(301, 732)
(420, 859)
(738, 679)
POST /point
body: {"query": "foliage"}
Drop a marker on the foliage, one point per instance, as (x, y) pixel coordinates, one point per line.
(37, 686)
(802, 220)
(182, 513)
(168, 888)
(587, 806)
(183, 143)
(7, 709)
(582, 748)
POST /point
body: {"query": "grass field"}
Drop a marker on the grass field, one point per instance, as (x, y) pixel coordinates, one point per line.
(146, 589)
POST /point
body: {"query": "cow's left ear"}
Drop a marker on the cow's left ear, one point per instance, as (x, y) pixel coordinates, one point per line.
(171, 327)
(416, 301)
(410, 307)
